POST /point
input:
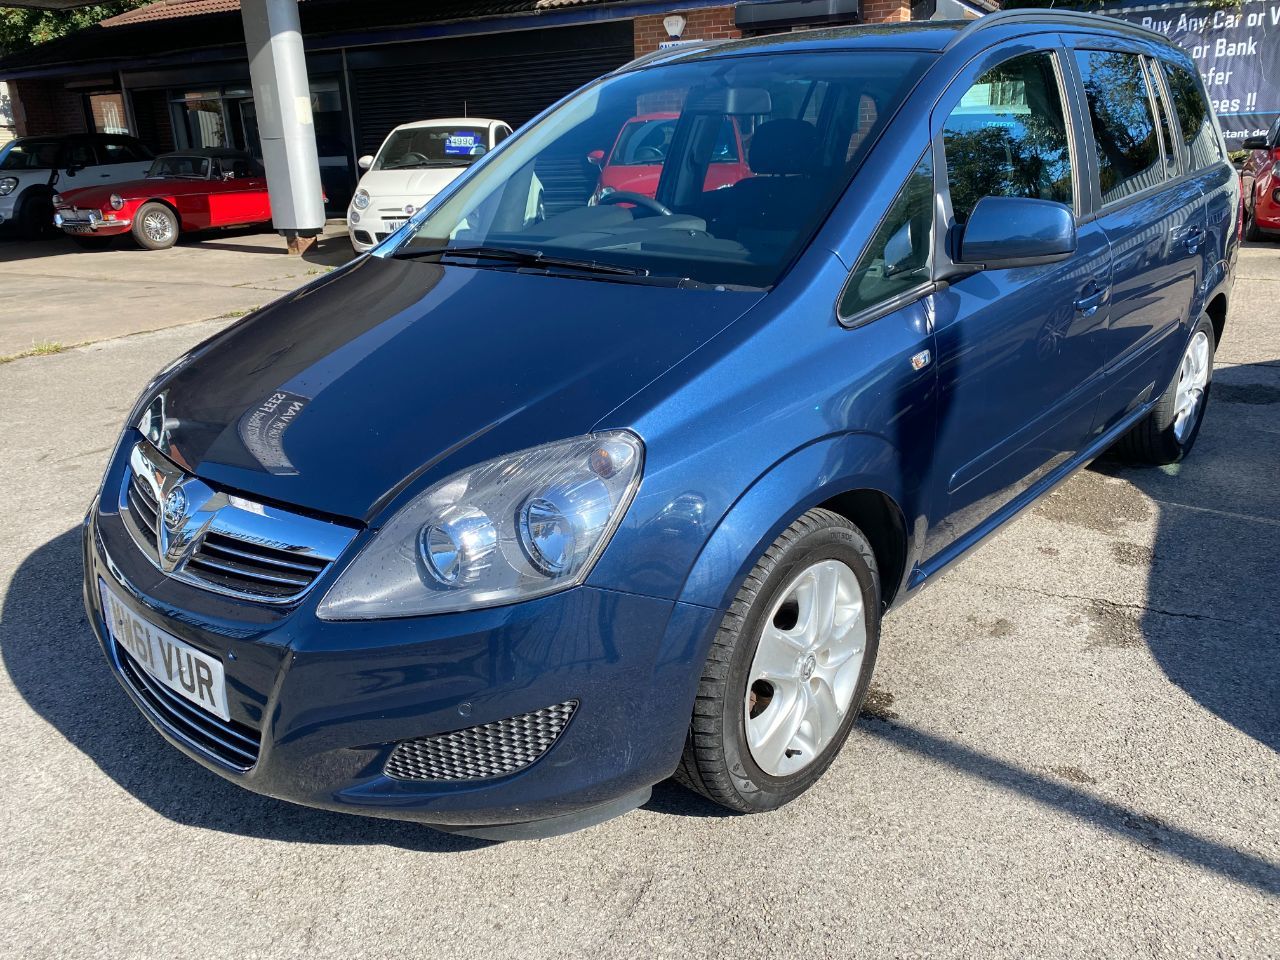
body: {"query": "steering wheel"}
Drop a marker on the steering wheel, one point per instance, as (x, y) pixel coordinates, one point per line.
(637, 200)
(650, 155)
(411, 157)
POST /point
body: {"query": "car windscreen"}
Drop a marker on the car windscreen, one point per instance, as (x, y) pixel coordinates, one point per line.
(191, 168)
(806, 120)
(453, 146)
(30, 155)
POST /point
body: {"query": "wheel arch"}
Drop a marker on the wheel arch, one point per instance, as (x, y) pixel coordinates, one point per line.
(1217, 311)
(858, 476)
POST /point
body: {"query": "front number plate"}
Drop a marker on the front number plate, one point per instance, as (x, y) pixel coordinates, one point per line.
(192, 675)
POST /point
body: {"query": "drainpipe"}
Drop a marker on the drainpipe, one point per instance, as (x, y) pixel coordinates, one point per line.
(282, 97)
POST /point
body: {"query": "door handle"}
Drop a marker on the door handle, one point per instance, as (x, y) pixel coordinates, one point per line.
(1091, 298)
(1193, 239)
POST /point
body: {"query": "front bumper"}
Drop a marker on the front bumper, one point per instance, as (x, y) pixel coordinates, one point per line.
(330, 700)
(80, 223)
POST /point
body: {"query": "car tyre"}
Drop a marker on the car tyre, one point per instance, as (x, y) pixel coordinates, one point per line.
(155, 226)
(729, 757)
(35, 217)
(1251, 231)
(1169, 431)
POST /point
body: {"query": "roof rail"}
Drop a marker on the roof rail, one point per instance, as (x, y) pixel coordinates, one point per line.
(1061, 18)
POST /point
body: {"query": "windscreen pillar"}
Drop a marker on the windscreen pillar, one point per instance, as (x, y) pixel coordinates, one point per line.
(282, 98)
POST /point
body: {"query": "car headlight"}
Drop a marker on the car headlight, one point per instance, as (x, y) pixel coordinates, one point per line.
(361, 200)
(8, 185)
(116, 201)
(516, 527)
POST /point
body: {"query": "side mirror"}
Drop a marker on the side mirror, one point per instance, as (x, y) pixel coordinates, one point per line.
(596, 158)
(74, 168)
(899, 255)
(1005, 232)
(1254, 143)
(365, 162)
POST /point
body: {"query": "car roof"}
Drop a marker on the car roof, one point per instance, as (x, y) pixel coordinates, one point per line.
(930, 36)
(449, 122)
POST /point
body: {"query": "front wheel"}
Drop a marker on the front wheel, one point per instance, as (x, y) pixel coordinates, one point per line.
(1169, 431)
(155, 227)
(788, 670)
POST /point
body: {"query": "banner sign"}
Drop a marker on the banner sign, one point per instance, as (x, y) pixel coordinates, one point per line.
(1236, 49)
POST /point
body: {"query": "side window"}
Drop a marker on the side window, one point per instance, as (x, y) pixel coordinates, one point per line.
(1124, 128)
(1200, 146)
(897, 258)
(79, 153)
(119, 150)
(501, 133)
(1008, 137)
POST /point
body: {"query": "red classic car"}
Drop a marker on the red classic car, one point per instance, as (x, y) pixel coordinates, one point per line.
(634, 165)
(183, 191)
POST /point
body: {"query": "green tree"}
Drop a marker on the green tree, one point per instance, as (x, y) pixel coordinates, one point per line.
(21, 29)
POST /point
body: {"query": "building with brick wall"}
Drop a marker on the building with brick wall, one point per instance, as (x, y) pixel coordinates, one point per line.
(175, 73)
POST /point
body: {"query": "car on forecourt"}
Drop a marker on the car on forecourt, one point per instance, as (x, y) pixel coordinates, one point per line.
(539, 504)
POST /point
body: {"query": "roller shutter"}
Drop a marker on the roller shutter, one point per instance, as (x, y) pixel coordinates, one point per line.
(511, 76)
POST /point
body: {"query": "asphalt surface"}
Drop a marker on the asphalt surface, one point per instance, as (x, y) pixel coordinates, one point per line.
(56, 292)
(1071, 748)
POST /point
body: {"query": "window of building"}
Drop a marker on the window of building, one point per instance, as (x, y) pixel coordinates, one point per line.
(1008, 137)
(897, 258)
(1124, 127)
(106, 110)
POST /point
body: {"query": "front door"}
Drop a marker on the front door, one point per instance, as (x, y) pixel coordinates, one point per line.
(1019, 355)
(1155, 221)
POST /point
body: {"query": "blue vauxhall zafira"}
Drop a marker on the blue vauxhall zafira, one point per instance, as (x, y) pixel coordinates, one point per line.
(562, 492)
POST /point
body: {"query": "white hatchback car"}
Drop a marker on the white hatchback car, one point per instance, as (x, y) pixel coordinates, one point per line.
(415, 162)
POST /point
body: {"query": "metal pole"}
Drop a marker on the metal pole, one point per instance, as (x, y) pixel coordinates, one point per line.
(282, 97)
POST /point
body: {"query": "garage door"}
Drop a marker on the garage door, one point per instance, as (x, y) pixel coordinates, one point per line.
(510, 76)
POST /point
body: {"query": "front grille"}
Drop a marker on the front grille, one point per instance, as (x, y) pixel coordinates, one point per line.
(235, 744)
(363, 236)
(247, 550)
(488, 750)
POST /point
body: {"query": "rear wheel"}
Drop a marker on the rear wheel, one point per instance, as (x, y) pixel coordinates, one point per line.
(788, 670)
(1169, 431)
(155, 226)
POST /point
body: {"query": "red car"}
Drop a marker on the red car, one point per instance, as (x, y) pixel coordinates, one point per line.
(182, 192)
(634, 165)
(1261, 176)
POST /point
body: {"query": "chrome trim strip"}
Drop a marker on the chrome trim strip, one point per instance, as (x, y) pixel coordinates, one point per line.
(184, 510)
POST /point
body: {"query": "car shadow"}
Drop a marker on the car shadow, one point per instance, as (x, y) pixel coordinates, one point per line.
(43, 629)
(1212, 610)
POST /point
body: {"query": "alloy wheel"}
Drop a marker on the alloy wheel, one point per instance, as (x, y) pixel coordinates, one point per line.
(1193, 378)
(806, 668)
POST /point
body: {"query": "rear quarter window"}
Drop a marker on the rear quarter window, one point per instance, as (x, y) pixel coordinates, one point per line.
(1200, 144)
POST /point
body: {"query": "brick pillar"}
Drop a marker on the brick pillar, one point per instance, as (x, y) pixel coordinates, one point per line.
(707, 23)
(885, 11)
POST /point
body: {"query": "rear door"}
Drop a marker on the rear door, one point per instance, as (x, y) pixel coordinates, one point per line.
(1204, 159)
(1018, 350)
(1151, 212)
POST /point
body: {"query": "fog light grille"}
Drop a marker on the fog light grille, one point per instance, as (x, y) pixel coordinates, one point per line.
(487, 750)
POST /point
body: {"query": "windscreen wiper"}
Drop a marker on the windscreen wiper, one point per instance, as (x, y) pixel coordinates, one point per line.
(529, 258)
